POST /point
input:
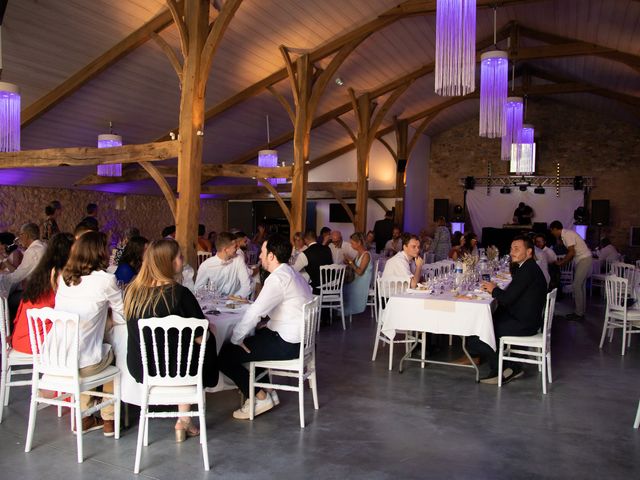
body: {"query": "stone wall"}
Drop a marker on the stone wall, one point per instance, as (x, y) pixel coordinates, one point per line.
(116, 212)
(583, 142)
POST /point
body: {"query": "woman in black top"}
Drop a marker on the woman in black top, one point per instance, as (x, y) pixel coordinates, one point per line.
(155, 292)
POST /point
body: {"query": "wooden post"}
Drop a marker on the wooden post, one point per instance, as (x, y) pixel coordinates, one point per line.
(402, 137)
(199, 42)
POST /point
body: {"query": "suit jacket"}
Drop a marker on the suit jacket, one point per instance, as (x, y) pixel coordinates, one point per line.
(522, 302)
(383, 230)
(317, 255)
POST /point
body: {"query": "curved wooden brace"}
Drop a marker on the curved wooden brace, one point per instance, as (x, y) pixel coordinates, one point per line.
(326, 76)
(388, 147)
(291, 75)
(177, 12)
(287, 213)
(283, 102)
(347, 128)
(379, 202)
(216, 31)
(154, 173)
(379, 117)
(344, 205)
(419, 130)
(170, 53)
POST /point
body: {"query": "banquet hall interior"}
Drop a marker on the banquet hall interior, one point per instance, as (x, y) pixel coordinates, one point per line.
(294, 115)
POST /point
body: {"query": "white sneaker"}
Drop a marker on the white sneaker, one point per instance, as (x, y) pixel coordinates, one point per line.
(274, 397)
(261, 407)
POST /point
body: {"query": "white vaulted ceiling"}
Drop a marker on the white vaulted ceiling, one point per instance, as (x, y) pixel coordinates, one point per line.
(46, 41)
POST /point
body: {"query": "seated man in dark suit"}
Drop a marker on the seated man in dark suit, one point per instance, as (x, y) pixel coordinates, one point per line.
(312, 259)
(520, 308)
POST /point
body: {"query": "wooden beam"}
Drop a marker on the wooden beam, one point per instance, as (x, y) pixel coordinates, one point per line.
(628, 59)
(311, 195)
(132, 175)
(85, 156)
(345, 206)
(246, 171)
(559, 50)
(375, 93)
(98, 65)
(281, 188)
(170, 53)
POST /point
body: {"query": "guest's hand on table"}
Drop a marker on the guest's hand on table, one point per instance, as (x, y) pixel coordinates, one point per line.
(487, 286)
(419, 263)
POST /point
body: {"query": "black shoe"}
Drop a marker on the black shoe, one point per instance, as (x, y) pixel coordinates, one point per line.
(511, 374)
(572, 317)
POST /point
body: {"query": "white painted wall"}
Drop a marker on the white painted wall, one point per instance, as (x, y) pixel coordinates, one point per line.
(382, 176)
(417, 188)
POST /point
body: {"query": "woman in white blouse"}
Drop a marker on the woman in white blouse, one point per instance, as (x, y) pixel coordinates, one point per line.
(87, 289)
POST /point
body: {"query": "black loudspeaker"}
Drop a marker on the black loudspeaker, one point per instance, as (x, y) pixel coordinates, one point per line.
(469, 183)
(440, 208)
(402, 165)
(600, 212)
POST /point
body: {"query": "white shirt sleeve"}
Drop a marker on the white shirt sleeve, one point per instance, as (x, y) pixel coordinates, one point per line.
(114, 298)
(243, 277)
(551, 255)
(301, 262)
(270, 297)
(8, 281)
(201, 277)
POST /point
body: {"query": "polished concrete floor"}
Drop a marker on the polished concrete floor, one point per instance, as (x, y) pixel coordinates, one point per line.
(432, 423)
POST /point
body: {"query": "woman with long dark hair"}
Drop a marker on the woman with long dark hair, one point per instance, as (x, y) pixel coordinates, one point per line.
(40, 289)
(155, 292)
(85, 288)
(131, 259)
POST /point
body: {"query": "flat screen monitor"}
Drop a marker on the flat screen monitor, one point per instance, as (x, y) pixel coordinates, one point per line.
(527, 158)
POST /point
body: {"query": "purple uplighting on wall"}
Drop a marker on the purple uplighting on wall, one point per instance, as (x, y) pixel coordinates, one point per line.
(494, 79)
(9, 117)
(455, 47)
(513, 112)
(108, 141)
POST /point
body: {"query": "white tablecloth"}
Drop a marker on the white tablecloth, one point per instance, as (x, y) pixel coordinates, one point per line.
(131, 391)
(442, 314)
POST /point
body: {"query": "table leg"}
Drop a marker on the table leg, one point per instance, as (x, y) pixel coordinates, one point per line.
(409, 352)
(464, 349)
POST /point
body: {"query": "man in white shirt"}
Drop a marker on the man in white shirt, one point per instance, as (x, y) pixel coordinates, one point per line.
(546, 259)
(580, 254)
(281, 298)
(394, 245)
(607, 252)
(226, 271)
(339, 249)
(407, 263)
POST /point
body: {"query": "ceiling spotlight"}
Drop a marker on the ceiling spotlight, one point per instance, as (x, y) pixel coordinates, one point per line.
(539, 190)
(339, 82)
(505, 190)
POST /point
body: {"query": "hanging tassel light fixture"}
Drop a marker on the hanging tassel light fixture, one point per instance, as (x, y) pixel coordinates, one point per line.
(109, 140)
(513, 110)
(455, 47)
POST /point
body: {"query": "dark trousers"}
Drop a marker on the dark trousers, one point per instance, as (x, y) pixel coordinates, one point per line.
(264, 345)
(13, 302)
(503, 327)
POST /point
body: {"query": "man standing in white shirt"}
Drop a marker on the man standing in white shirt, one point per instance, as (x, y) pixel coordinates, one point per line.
(407, 263)
(579, 253)
(11, 283)
(225, 271)
(281, 298)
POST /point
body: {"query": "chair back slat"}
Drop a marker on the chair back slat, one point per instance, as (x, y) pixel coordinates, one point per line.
(57, 347)
(331, 279)
(624, 270)
(549, 309)
(171, 329)
(4, 323)
(616, 289)
(310, 319)
(388, 287)
(202, 256)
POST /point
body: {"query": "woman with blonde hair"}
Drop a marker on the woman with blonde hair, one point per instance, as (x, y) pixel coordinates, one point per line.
(156, 292)
(357, 291)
